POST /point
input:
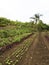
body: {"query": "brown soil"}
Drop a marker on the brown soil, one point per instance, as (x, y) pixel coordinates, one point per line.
(9, 51)
(37, 54)
(10, 46)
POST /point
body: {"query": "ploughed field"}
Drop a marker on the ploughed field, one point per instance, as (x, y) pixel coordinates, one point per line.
(33, 50)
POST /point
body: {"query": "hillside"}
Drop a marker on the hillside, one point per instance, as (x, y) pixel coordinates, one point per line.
(23, 43)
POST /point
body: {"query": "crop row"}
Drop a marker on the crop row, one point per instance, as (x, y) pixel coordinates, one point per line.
(15, 57)
(9, 40)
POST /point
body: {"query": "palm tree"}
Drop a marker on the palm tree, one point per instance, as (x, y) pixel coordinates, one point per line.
(36, 18)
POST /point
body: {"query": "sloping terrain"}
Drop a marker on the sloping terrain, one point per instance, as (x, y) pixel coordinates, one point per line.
(32, 51)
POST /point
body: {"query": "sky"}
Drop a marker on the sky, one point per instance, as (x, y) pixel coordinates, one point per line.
(22, 10)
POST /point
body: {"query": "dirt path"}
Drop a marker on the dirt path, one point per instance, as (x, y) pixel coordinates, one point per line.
(46, 39)
(38, 54)
(27, 58)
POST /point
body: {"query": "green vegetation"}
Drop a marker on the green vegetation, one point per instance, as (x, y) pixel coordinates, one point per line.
(39, 25)
(14, 31)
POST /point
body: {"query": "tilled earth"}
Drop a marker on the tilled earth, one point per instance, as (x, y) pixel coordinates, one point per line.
(38, 52)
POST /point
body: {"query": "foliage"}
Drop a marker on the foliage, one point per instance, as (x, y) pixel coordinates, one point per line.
(11, 31)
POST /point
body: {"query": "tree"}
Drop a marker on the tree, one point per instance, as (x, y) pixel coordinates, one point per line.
(36, 20)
